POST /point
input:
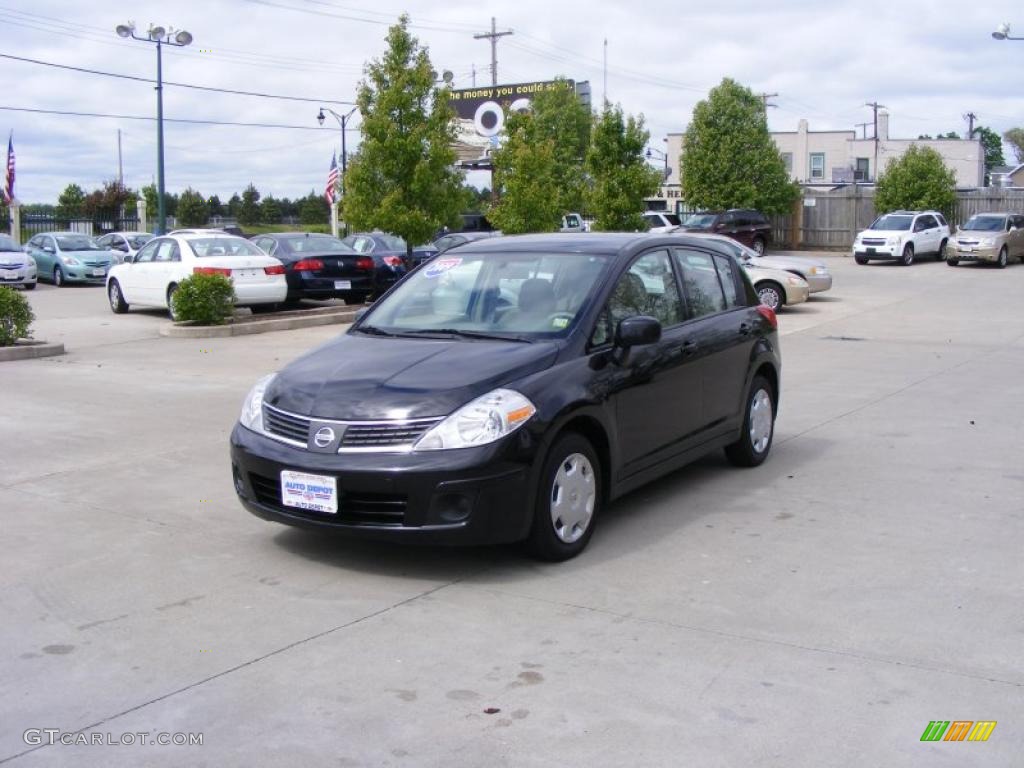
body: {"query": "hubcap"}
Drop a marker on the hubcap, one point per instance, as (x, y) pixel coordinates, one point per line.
(759, 247)
(58, 276)
(573, 495)
(115, 296)
(769, 297)
(760, 421)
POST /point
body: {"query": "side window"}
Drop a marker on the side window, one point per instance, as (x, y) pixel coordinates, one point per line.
(727, 221)
(648, 287)
(48, 243)
(1009, 223)
(919, 224)
(942, 220)
(1018, 222)
(704, 295)
(148, 251)
(930, 223)
(105, 241)
(727, 275)
(167, 251)
(36, 242)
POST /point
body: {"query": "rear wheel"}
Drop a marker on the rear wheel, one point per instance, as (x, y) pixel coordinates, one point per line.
(356, 298)
(58, 276)
(908, 255)
(758, 426)
(568, 500)
(173, 289)
(262, 309)
(1003, 258)
(759, 245)
(117, 303)
(941, 253)
(771, 295)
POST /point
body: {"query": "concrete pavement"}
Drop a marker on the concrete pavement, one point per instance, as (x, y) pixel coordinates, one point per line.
(819, 610)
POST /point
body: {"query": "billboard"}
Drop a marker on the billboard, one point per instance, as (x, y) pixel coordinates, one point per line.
(482, 113)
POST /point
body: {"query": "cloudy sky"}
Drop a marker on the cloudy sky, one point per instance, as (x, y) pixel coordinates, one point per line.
(927, 63)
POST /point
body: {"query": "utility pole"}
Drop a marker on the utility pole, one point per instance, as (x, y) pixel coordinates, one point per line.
(875, 106)
(863, 129)
(604, 95)
(970, 117)
(474, 74)
(493, 36)
(120, 166)
(764, 101)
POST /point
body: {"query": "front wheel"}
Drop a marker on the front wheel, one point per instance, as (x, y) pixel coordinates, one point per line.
(908, 255)
(860, 259)
(951, 262)
(568, 500)
(1003, 258)
(30, 286)
(758, 426)
(117, 303)
(759, 246)
(771, 295)
(58, 276)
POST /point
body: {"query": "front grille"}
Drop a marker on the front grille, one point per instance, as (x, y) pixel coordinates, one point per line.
(11, 266)
(96, 263)
(354, 508)
(873, 241)
(383, 433)
(968, 242)
(286, 425)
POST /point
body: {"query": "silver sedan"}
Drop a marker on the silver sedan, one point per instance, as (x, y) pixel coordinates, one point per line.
(16, 266)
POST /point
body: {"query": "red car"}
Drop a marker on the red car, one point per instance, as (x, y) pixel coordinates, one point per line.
(749, 227)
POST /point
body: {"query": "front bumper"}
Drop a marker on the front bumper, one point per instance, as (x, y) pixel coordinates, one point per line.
(976, 253)
(796, 294)
(818, 283)
(469, 496)
(880, 252)
(261, 293)
(20, 276)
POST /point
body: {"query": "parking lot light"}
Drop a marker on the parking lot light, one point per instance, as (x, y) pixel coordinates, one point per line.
(1003, 33)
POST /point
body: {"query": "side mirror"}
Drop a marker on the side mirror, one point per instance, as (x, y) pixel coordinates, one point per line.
(128, 258)
(637, 331)
(48, 248)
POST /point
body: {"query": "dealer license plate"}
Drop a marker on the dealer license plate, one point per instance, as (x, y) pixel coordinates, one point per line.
(99, 272)
(871, 250)
(6, 274)
(342, 285)
(317, 493)
(965, 248)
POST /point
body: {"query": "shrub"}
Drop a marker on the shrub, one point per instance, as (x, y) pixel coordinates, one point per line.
(204, 299)
(16, 316)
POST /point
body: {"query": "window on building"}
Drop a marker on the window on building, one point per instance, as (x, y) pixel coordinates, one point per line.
(817, 166)
(787, 160)
(863, 168)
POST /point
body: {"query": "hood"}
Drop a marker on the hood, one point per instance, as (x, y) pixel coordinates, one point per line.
(789, 262)
(99, 256)
(364, 378)
(886, 233)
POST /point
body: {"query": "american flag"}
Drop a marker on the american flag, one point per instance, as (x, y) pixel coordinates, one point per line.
(331, 191)
(8, 190)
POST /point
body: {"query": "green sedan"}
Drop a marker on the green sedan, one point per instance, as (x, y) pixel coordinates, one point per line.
(70, 257)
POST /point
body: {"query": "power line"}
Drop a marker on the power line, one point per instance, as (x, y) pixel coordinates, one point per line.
(493, 36)
(166, 119)
(168, 82)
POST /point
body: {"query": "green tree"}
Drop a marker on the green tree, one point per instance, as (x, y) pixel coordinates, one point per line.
(170, 201)
(234, 205)
(193, 210)
(70, 204)
(620, 175)
(1015, 138)
(313, 209)
(729, 159)
(216, 206)
(919, 180)
(557, 126)
(249, 209)
(993, 146)
(270, 210)
(105, 206)
(403, 178)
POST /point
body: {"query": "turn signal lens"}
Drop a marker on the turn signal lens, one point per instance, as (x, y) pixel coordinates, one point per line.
(305, 265)
(364, 262)
(393, 261)
(211, 271)
(768, 314)
(275, 269)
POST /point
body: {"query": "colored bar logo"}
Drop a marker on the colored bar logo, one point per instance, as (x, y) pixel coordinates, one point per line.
(958, 730)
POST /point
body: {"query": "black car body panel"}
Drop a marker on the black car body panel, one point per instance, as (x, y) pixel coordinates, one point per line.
(646, 412)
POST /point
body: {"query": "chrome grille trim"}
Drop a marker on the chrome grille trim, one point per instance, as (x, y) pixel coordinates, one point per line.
(383, 436)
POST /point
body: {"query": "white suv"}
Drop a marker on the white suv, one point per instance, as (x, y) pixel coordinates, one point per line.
(902, 235)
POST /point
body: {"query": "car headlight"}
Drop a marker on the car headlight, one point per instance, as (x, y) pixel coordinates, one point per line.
(252, 408)
(987, 242)
(479, 422)
(70, 261)
(794, 280)
(892, 240)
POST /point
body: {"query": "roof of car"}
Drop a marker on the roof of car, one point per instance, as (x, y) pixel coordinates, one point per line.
(578, 242)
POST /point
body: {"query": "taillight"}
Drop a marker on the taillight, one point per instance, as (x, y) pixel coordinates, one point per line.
(393, 261)
(274, 269)
(211, 271)
(305, 265)
(364, 262)
(768, 314)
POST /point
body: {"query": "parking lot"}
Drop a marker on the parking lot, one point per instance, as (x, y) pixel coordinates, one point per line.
(818, 610)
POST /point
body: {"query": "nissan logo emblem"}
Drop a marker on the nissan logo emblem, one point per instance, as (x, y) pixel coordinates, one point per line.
(323, 437)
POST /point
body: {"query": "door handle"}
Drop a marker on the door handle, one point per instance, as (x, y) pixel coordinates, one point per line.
(745, 329)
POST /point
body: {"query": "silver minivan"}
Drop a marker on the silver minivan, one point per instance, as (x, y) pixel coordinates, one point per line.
(992, 237)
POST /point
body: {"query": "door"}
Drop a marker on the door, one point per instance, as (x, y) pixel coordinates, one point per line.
(45, 254)
(1017, 236)
(727, 225)
(721, 331)
(132, 277)
(929, 239)
(656, 389)
(162, 271)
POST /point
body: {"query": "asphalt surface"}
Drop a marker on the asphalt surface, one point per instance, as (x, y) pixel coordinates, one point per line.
(819, 610)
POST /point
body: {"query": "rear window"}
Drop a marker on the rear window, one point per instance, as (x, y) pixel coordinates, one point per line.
(223, 246)
(316, 244)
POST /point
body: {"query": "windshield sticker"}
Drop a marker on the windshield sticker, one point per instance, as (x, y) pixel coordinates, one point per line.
(438, 267)
(560, 323)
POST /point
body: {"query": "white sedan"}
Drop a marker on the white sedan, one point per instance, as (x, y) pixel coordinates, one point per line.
(152, 276)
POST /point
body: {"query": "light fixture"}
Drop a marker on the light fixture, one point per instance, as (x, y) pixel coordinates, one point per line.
(1002, 31)
(183, 38)
(448, 76)
(321, 117)
(124, 30)
(157, 33)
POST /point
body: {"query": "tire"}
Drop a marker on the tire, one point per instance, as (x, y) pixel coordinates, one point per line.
(771, 295)
(755, 440)
(30, 286)
(117, 303)
(263, 309)
(759, 245)
(568, 500)
(171, 290)
(356, 298)
(940, 255)
(1003, 258)
(908, 255)
(861, 259)
(952, 262)
(58, 277)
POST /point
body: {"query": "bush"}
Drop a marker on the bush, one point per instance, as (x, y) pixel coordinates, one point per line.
(16, 316)
(919, 180)
(204, 299)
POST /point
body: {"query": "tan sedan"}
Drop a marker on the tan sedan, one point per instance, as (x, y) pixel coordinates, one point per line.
(992, 237)
(777, 288)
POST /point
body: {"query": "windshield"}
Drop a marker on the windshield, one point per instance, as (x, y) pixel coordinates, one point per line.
(76, 243)
(891, 222)
(7, 244)
(316, 244)
(137, 241)
(700, 220)
(533, 295)
(985, 223)
(223, 246)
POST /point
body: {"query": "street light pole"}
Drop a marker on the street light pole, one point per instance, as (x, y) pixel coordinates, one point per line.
(342, 121)
(1003, 33)
(160, 37)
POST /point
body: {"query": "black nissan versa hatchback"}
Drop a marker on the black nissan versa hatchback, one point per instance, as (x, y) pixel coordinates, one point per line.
(509, 390)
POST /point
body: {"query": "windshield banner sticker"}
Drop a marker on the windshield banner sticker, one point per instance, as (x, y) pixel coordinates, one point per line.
(438, 267)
